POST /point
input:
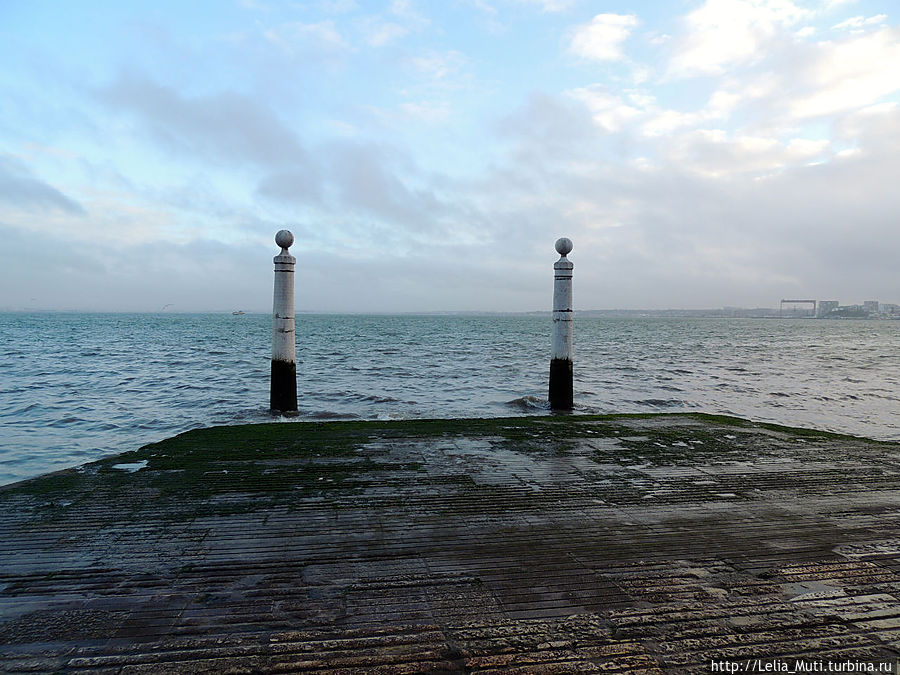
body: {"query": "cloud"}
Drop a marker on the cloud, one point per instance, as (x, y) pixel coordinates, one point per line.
(376, 188)
(21, 189)
(438, 66)
(602, 38)
(858, 23)
(201, 274)
(718, 154)
(610, 111)
(254, 5)
(227, 126)
(337, 6)
(379, 33)
(840, 76)
(724, 33)
(553, 136)
(402, 19)
(365, 178)
(318, 40)
(482, 6)
(638, 111)
(431, 112)
(772, 79)
(699, 214)
(550, 6)
(364, 193)
(406, 10)
(301, 184)
(553, 123)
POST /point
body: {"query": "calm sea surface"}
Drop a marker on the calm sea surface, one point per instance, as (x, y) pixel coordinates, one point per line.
(76, 387)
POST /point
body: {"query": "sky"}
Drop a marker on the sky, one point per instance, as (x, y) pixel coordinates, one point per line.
(427, 155)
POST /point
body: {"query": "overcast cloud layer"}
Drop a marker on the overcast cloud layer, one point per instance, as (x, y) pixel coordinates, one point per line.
(427, 155)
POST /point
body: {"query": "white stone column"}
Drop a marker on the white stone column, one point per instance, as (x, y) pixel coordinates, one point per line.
(283, 390)
(561, 355)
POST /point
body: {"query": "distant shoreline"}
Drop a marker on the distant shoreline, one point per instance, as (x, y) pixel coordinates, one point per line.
(725, 313)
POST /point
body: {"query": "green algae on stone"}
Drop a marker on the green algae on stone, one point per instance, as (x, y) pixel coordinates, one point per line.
(300, 459)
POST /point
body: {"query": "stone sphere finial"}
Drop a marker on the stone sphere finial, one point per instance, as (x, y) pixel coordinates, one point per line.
(284, 238)
(564, 246)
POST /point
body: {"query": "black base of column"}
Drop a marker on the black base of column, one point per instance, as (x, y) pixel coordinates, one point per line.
(560, 384)
(283, 390)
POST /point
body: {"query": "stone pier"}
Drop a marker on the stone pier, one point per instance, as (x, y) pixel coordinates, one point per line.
(670, 543)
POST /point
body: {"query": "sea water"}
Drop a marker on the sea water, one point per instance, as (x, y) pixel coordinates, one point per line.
(76, 387)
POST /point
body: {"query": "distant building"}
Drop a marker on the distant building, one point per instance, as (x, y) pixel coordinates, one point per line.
(850, 312)
(825, 307)
(871, 306)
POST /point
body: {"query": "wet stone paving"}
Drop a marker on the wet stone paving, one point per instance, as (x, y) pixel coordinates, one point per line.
(556, 544)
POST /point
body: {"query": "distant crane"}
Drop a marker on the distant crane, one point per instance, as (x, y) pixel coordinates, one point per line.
(797, 302)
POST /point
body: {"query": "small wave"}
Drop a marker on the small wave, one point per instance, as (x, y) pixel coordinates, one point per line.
(380, 399)
(84, 452)
(660, 402)
(779, 394)
(103, 426)
(386, 417)
(26, 409)
(65, 421)
(529, 403)
(887, 396)
(726, 411)
(254, 415)
(331, 415)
